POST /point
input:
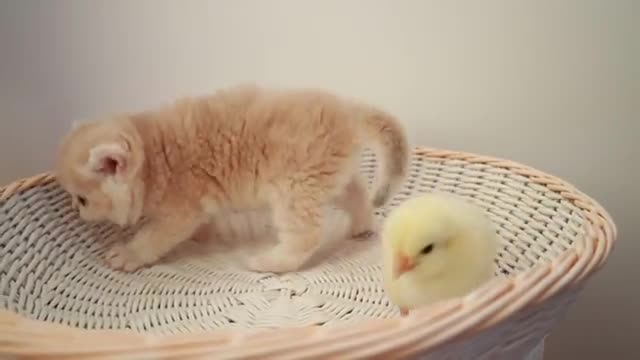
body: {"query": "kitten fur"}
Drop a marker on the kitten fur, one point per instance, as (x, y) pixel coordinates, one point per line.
(294, 151)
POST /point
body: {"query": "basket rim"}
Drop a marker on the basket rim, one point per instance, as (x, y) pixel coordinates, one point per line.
(422, 330)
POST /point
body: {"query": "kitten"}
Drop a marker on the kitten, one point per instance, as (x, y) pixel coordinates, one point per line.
(245, 147)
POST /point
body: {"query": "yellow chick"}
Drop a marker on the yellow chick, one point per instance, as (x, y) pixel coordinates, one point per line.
(435, 247)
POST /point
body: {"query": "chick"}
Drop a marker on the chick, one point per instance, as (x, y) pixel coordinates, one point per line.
(436, 246)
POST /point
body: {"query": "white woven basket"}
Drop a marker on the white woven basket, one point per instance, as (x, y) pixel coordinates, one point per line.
(57, 299)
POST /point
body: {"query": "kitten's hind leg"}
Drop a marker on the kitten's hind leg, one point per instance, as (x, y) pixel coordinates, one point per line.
(355, 200)
(298, 218)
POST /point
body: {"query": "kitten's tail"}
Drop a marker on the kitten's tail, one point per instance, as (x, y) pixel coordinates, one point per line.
(390, 144)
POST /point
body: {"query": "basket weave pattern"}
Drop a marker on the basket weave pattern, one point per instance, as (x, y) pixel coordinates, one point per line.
(53, 285)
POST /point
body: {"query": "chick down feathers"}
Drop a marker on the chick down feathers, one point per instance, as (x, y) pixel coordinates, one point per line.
(436, 246)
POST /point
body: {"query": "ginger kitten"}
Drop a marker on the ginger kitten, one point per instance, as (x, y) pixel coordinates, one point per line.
(294, 151)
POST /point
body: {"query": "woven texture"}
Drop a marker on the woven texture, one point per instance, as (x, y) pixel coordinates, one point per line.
(51, 266)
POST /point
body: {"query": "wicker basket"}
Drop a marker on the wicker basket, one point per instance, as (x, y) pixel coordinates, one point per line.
(58, 300)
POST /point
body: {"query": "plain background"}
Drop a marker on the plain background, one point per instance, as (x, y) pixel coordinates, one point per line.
(553, 84)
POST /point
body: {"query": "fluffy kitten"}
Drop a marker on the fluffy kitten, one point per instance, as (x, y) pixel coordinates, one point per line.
(245, 147)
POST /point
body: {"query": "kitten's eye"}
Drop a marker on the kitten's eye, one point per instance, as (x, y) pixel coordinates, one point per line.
(427, 249)
(81, 200)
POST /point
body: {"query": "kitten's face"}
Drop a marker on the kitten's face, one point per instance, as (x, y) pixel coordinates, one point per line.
(94, 166)
(88, 198)
(100, 199)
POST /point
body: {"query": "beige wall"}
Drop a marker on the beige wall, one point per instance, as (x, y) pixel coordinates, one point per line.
(554, 84)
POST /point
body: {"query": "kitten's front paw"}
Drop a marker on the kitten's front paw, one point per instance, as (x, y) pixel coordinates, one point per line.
(270, 263)
(259, 263)
(119, 257)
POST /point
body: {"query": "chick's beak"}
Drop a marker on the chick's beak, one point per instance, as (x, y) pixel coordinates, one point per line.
(403, 264)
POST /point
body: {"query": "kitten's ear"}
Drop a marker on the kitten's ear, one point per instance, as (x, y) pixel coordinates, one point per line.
(109, 159)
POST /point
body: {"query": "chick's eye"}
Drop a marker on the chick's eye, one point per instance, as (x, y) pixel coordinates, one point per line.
(427, 249)
(81, 200)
